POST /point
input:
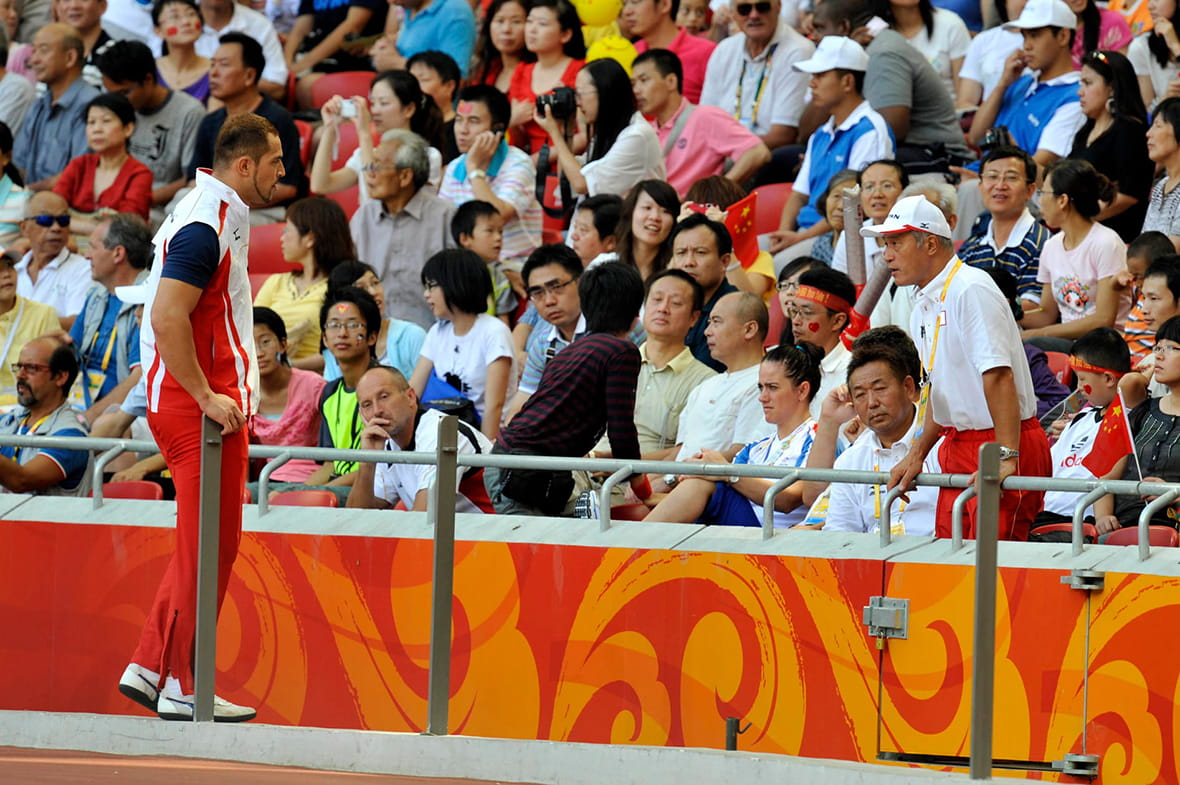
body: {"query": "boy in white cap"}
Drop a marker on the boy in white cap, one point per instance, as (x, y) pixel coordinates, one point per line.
(978, 387)
(853, 136)
(1037, 95)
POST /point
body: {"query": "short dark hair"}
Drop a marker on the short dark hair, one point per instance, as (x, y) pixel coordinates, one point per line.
(893, 337)
(896, 166)
(800, 363)
(1148, 246)
(347, 273)
(441, 63)
(467, 216)
(1168, 110)
(831, 281)
(497, 103)
(664, 61)
(1168, 268)
(1104, 347)
(115, 103)
(269, 318)
(252, 54)
(463, 277)
(800, 263)
(159, 6)
(1169, 331)
(557, 253)
(605, 209)
(361, 299)
(698, 291)
(611, 295)
(1010, 151)
(64, 359)
(127, 61)
(134, 234)
(858, 78)
(719, 230)
(880, 352)
(244, 134)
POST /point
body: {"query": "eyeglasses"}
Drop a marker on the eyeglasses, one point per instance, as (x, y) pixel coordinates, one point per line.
(28, 368)
(794, 312)
(1042, 193)
(787, 286)
(267, 342)
(1159, 350)
(45, 220)
(886, 185)
(1008, 178)
(374, 168)
(352, 326)
(743, 9)
(428, 284)
(538, 293)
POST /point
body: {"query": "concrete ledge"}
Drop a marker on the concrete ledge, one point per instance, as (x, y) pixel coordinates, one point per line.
(545, 762)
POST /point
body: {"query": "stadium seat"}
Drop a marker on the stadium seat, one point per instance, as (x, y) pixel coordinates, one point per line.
(1089, 533)
(1159, 536)
(305, 131)
(305, 499)
(629, 512)
(256, 282)
(348, 199)
(769, 207)
(246, 497)
(1059, 365)
(342, 83)
(266, 249)
(132, 489)
(778, 320)
(552, 229)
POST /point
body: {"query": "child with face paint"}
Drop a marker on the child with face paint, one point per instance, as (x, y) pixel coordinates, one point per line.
(818, 313)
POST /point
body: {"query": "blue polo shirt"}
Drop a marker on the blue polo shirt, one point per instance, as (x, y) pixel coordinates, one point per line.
(444, 25)
(1026, 115)
(862, 138)
(53, 133)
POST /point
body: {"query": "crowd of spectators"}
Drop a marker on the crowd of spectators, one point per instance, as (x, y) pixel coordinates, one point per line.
(558, 246)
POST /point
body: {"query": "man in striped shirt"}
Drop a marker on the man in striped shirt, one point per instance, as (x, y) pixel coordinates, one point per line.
(197, 345)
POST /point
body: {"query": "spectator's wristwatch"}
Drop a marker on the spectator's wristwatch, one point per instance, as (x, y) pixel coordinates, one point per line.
(477, 174)
(1007, 453)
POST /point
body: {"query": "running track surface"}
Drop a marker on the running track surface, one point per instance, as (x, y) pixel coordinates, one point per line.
(63, 767)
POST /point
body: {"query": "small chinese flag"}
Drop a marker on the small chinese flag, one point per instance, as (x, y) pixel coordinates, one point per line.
(1113, 441)
(739, 219)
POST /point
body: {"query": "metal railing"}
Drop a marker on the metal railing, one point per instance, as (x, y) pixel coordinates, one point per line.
(441, 515)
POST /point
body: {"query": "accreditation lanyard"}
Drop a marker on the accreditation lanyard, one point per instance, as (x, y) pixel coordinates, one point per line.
(99, 378)
(896, 525)
(758, 91)
(784, 444)
(924, 399)
(24, 430)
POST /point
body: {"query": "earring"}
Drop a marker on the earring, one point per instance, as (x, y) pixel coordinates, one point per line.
(1110, 105)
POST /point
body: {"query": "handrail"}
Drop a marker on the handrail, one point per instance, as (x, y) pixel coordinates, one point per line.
(604, 498)
(768, 503)
(264, 481)
(957, 517)
(1154, 506)
(886, 532)
(99, 464)
(1079, 510)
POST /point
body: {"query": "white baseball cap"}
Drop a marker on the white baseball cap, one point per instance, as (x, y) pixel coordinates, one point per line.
(1044, 13)
(835, 51)
(133, 294)
(911, 214)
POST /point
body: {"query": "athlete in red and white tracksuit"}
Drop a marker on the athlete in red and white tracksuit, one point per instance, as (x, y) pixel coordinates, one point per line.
(202, 243)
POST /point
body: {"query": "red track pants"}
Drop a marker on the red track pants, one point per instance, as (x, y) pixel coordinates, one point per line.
(959, 454)
(166, 644)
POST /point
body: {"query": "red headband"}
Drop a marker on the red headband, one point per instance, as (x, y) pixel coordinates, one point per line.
(826, 299)
(1078, 364)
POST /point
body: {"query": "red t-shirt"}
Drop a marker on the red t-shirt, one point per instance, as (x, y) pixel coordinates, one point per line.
(521, 89)
(131, 192)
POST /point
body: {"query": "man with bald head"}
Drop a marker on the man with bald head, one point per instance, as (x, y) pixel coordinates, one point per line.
(723, 413)
(44, 374)
(50, 272)
(402, 224)
(54, 130)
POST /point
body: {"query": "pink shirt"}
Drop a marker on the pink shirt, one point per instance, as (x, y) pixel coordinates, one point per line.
(709, 138)
(298, 427)
(694, 53)
(1114, 34)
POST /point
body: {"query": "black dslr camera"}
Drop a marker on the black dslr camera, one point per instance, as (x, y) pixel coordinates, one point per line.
(560, 103)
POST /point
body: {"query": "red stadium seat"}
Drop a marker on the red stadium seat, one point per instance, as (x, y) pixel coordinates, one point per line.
(266, 249)
(348, 199)
(132, 489)
(1059, 365)
(1159, 536)
(246, 497)
(256, 282)
(305, 499)
(305, 131)
(345, 84)
(778, 320)
(552, 229)
(769, 207)
(1089, 533)
(629, 512)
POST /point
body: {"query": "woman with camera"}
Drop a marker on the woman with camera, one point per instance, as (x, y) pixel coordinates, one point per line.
(622, 148)
(553, 33)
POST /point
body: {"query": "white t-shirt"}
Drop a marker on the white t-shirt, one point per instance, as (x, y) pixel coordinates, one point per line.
(62, 284)
(948, 41)
(354, 163)
(394, 481)
(722, 411)
(833, 372)
(636, 155)
(1068, 451)
(463, 360)
(1074, 275)
(1145, 64)
(984, 61)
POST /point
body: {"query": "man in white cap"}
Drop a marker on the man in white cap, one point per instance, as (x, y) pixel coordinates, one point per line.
(978, 387)
(853, 136)
(1037, 96)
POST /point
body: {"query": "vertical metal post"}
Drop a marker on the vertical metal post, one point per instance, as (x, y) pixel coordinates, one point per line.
(958, 509)
(987, 525)
(441, 515)
(205, 648)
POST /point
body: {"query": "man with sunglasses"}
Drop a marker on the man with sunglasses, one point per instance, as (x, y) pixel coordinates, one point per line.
(197, 351)
(50, 272)
(750, 74)
(44, 373)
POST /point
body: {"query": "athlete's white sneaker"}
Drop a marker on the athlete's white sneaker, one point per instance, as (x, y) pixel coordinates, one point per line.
(172, 705)
(139, 684)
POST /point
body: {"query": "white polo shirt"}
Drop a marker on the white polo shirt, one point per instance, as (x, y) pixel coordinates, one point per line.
(833, 372)
(977, 334)
(857, 508)
(394, 481)
(62, 284)
(722, 411)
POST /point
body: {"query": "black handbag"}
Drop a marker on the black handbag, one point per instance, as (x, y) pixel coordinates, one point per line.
(547, 491)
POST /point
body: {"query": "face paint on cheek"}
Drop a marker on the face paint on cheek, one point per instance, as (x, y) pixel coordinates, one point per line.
(172, 31)
(813, 327)
(1087, 389)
